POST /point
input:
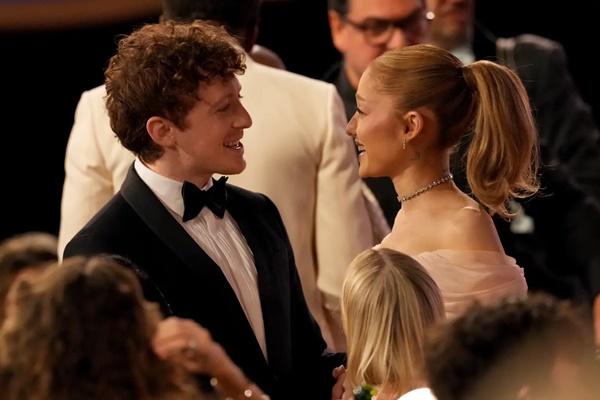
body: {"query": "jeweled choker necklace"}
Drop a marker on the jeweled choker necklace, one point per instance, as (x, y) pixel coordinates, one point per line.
(424, 189)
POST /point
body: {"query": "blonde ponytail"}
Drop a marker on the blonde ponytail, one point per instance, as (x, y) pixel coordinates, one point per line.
(502, 159)
(487, 98)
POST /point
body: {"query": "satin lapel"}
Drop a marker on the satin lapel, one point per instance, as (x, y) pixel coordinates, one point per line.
(158, 219)
(276, 320)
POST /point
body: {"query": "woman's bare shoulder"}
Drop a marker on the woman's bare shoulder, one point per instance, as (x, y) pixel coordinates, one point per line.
(471, 228)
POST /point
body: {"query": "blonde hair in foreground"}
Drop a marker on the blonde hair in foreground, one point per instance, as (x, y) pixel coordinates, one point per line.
(388, 303)
(482, 98)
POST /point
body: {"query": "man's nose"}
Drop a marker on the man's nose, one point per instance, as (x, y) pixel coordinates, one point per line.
(244, 119)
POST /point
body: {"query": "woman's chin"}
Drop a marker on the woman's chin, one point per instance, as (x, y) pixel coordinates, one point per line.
(365, 172)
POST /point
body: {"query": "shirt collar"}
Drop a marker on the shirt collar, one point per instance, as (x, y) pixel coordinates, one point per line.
(166, 189)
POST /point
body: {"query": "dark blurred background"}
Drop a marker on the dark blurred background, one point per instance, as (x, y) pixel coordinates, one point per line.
(47, 63)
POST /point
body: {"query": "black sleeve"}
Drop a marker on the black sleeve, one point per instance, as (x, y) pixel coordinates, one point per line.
(83, 244)
(565, 122)
(88, 245)
(313, 365)
(568, 222)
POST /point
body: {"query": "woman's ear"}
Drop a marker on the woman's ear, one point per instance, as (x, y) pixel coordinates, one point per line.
(413, 125)
(161, 130)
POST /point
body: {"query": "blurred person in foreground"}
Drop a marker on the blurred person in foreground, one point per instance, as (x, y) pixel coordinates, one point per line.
(534, 349)
(82, 330)
(23, 256)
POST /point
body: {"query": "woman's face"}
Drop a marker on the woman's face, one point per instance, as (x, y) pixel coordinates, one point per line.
(376, 130)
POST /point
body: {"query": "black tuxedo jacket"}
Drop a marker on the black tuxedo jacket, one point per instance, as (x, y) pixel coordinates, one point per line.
(187, 283)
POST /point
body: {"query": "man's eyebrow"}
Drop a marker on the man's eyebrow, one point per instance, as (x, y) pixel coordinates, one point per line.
(220, 99)
(416, 13)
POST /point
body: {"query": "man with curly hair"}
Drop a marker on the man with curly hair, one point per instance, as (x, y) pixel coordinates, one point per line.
(216, 253)
(297, 152)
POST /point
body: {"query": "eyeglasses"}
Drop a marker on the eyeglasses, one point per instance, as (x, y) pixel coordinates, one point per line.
(378, 31)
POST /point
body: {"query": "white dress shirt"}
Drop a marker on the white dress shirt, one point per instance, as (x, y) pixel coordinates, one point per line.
(418, 394)
(220, 239)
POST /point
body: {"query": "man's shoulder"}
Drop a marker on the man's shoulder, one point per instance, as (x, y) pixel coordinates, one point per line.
(115, 216)
(254, 203)
(287, 81)
(539, 61)
(529, 46)
(94, 96)
(110, 226)
(247, 196)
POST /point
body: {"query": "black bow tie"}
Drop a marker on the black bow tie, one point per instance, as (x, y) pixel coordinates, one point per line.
(195, 199)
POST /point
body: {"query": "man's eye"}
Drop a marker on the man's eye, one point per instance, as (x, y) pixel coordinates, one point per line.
(377, 27)
(223, 108)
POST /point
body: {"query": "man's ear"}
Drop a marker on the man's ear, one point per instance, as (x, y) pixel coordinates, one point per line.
(413, 125)
(337, 27)
(161, 130)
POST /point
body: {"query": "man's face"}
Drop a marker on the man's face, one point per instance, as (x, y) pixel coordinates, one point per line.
(371, 27)
(453, 22)
(210, 142)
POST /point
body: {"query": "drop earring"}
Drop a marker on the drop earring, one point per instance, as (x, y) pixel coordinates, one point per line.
(403, 143)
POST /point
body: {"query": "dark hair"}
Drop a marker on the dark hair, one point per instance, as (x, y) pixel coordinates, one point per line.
(341, 6)
(484, 98)
(83, 331)
(156, 72)
(239, 17)
(492, 351)
(21, 252)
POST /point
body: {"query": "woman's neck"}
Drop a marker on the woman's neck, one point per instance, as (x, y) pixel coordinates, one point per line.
(416, 184)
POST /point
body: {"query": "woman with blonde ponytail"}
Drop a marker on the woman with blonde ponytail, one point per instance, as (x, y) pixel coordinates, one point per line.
(414, 106)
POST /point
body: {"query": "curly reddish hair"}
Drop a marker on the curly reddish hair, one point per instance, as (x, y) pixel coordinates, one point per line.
(156, 72)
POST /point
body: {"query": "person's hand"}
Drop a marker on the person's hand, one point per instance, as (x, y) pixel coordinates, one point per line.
(186, 343)
(348, 391)
(339, 374)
